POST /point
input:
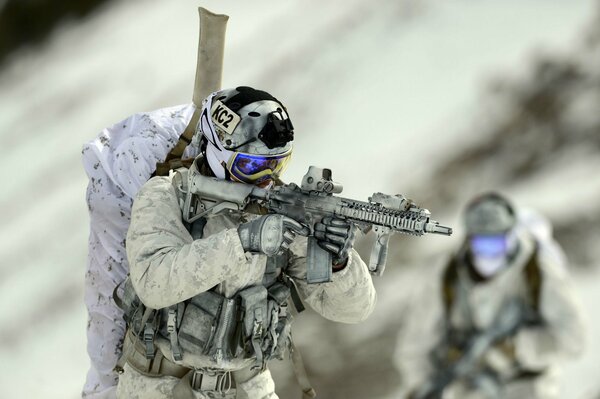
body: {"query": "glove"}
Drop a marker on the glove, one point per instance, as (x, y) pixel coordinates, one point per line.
(270, 234)
(336, 236)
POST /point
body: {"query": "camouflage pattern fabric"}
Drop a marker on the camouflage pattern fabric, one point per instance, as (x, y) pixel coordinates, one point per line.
(118, 162)
(534, 348)
(168, 266)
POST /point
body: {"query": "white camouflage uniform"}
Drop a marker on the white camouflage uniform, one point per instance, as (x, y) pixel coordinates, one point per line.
(168, 266)
(118, 162)
(539, 348)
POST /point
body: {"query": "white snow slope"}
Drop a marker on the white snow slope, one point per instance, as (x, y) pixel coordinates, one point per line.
(378, 91)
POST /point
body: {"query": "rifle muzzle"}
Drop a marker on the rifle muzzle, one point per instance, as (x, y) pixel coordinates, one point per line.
(435, 228)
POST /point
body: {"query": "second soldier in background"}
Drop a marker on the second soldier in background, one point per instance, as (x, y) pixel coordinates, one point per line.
(498, 318)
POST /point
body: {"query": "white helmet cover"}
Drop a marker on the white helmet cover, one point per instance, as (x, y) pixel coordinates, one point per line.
(490, 220)
(489, 213)
(247, 127)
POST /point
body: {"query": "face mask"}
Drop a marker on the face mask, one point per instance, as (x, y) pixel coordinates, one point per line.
(490, 252)
(488, 245)
(488, 267)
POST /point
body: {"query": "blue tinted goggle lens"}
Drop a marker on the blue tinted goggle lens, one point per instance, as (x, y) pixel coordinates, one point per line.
(488, 245)
(250, 164)
(257, 168)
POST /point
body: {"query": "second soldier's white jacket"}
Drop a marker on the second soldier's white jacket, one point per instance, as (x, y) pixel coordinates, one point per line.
(168, 266)
(536, 349)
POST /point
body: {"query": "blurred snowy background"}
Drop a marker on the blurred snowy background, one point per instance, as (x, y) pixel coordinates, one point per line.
(438, 100)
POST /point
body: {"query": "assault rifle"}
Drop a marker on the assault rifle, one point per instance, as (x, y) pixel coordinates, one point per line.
(468, 367)
(308, 204)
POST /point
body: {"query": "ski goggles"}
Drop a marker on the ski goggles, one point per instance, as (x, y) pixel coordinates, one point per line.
(256, 169)
(489, 245)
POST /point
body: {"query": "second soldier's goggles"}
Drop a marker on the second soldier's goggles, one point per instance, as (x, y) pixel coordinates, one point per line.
(256, 169)
(489, 245)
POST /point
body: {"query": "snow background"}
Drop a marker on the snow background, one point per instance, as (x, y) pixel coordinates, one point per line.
(387, 96)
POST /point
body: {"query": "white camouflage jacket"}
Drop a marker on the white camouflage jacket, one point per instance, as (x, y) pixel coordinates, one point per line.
(168, 266)
(536, 348)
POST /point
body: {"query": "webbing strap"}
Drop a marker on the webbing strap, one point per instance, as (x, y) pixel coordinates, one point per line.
(127, 351)
(148, 333)
(255, 341)
(172, 323)
(116, 299)
(173, 159)
(533, 276)
(163, 168)
(156, 364)
(296, 298)
(448, 285)
(185, 138)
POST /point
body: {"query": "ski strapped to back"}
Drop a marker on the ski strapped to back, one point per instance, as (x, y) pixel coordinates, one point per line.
(209, 73)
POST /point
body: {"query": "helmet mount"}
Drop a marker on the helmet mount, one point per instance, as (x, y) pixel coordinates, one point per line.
(278, 130)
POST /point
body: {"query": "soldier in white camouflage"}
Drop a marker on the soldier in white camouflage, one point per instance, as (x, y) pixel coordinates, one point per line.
(498, 319)
(215, 295)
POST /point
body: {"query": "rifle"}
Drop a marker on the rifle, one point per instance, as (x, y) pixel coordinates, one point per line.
(308, 204)
(511, 316)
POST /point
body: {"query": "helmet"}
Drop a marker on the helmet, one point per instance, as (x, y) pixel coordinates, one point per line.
(489, 213)
(246, 135)
(490, 221)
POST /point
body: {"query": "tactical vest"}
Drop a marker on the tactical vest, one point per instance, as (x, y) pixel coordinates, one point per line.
(255, 323)
(455, 339)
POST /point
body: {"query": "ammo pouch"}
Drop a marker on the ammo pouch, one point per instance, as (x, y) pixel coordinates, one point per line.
(208, 325)
(254, 323)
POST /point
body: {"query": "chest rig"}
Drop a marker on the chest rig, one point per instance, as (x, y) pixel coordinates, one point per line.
(254, 323)
(453, 293)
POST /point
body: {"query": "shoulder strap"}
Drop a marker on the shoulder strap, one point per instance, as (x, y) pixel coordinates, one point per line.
(278, 264)
(173, 160)
(450, 287)
(533, 278)
(449, 284)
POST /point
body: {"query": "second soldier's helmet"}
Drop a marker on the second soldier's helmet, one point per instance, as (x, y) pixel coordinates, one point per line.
(490, 222)
(489, 213)
(246, 135)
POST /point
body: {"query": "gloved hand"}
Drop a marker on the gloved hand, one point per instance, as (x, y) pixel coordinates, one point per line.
(336, 236)
(269, 234)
